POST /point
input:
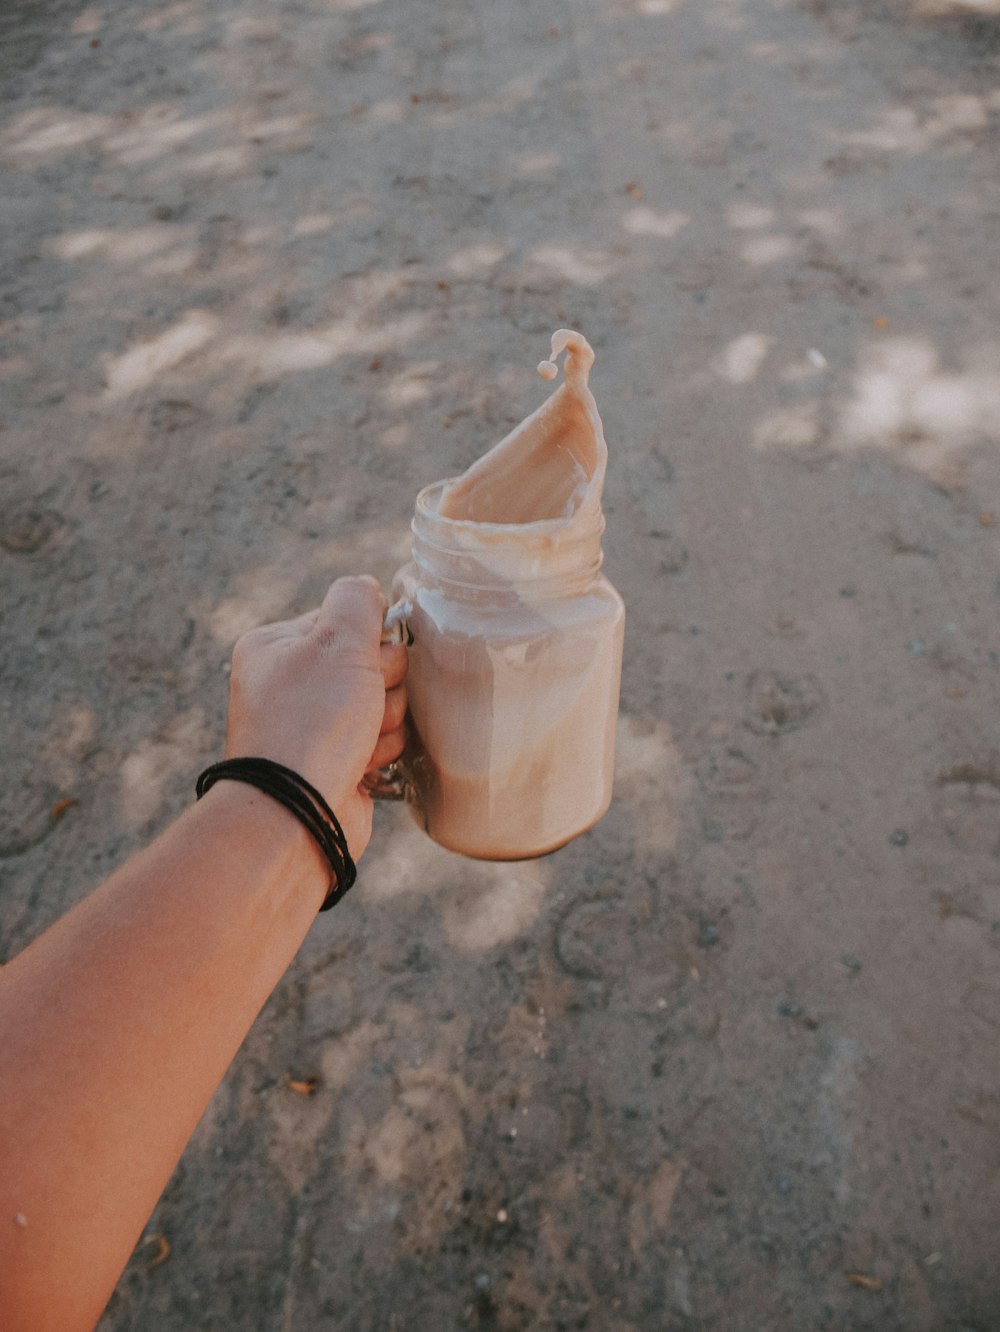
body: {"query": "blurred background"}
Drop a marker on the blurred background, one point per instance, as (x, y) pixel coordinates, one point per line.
(728, 1061)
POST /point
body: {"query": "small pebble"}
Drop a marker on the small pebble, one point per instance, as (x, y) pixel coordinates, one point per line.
(900, 837)
(20, 1220)
(481, 1281)
(851, 961)
(787, 1009)
(502, 1215)
(784, 1184)
(848, 591)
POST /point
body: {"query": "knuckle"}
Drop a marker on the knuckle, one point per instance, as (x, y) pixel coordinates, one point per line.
(347, 653)
(326, 638)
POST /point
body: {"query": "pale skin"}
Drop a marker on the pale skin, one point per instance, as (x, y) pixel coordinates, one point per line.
(119, 1021)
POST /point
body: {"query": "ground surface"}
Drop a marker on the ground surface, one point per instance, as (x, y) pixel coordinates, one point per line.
(729, 1061)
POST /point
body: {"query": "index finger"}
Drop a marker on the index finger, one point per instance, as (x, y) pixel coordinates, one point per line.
(350, 617)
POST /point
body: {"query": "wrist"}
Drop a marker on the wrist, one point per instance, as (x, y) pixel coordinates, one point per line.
(288, 788)
(271, 837)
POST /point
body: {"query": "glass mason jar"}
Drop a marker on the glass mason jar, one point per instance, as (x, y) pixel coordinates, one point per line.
(513, 684)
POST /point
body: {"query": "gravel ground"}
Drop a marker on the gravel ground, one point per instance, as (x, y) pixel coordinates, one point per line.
(728, 1061)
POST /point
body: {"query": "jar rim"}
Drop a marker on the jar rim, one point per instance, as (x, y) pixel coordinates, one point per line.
(538, 527)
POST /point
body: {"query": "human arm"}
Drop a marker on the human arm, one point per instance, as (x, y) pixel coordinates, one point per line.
(117, 1023)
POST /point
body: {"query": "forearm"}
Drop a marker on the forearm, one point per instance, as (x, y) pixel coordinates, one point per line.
(117, 1026)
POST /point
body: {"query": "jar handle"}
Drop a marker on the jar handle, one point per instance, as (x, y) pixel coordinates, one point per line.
(393, 781)
(396, 625)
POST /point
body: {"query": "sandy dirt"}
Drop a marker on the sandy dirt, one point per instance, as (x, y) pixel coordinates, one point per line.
(728, 1062)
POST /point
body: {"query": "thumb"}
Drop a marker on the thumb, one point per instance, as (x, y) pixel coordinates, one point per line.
(350, 618)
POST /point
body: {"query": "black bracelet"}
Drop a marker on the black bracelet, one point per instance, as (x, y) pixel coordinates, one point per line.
(302, 800)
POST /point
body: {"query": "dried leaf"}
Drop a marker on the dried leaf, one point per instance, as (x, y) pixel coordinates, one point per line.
(303, 1086)
(864, 1281)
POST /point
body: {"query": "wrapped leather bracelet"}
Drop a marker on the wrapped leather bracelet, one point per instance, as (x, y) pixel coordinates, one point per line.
(301, 799)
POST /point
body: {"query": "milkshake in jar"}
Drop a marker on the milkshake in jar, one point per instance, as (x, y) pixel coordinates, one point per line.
(515, 661)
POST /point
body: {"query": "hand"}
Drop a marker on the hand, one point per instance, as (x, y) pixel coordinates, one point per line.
(320, 695)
